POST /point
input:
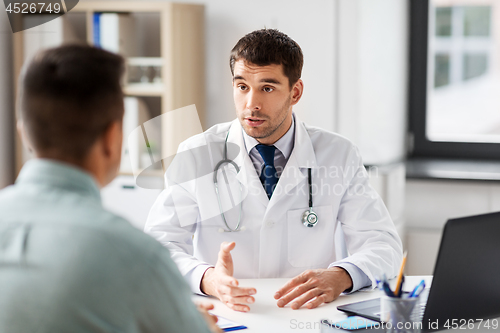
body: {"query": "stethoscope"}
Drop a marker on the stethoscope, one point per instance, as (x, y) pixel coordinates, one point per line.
(309, 217)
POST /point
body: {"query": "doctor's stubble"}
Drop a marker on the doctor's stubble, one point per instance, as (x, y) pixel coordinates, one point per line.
(285, 110)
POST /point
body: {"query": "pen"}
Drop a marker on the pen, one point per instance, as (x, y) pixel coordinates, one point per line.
(399, 281)
(387, 289)
(418, 289)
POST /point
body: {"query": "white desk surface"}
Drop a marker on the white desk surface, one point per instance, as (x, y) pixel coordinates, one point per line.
(265, 316)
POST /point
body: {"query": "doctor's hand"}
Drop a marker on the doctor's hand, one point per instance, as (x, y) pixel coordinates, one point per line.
(314, 287)
(219, 282)
(211, 319)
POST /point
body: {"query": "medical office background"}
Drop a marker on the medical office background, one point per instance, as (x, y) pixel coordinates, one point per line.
(362, 80)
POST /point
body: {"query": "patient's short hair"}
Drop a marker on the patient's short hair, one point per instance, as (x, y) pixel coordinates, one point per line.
(269, 46)
(69, 95)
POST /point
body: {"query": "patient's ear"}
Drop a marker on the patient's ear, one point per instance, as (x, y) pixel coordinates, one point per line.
(110, 147)
(112, 140)
(22, 133)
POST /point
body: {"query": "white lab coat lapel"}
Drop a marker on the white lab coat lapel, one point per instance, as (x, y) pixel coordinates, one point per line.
(247, 176)
(302, 158)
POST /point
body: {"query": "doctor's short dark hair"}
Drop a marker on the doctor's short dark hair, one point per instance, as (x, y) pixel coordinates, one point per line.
(69, 96)
(267, 47)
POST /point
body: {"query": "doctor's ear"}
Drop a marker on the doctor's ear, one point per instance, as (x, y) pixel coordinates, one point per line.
(297, 90)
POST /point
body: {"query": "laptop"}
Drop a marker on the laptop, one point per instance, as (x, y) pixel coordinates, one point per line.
(466, 282)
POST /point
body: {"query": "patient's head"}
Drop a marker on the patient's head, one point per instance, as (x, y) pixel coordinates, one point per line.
(71, 107)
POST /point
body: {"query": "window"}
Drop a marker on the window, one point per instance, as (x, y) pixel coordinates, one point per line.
(455, 78)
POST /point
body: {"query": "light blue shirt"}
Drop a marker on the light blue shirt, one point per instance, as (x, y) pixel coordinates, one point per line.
(284, 147)
(68, 265)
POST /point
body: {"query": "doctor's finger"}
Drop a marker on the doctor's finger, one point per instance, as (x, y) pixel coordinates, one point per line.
(306, 297)
(293, 283)
(236, 291)
(240, 299)
(323, 298)
(238, 307)
(293, 294)
(228, 280)
(226, 248)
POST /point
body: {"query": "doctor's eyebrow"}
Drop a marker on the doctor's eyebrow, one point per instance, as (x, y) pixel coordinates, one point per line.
(274, 81)
(265, 80)
(238, 77)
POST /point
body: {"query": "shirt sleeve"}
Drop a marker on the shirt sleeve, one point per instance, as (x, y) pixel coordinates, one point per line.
(194, 277)
(358, 277)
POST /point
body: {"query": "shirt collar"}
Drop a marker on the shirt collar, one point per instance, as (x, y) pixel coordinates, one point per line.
(284, 144)
(58, 174)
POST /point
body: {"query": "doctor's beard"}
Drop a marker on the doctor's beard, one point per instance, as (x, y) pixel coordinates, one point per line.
(273, 124)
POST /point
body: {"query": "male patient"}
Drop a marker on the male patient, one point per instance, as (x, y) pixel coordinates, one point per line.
(66, 264)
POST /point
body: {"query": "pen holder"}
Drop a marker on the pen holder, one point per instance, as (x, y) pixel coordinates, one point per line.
(401, 315)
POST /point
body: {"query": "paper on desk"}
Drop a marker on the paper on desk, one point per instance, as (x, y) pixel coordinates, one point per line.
(227, 325)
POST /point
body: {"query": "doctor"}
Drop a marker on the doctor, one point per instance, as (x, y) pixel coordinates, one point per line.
(258, 224)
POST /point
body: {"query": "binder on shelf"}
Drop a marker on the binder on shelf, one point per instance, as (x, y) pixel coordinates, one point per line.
(136, 114)
(96, 28)
(116, 32)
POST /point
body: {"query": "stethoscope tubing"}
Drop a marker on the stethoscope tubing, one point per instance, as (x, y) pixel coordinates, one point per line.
(306, 219)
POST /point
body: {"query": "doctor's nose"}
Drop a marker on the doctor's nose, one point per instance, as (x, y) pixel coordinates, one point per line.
(253, 102)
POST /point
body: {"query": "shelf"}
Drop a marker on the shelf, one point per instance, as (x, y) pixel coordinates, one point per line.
(152, 173)
(144, 89)
(122, 6)
(145, 61)
(449, 169)
(170, 43)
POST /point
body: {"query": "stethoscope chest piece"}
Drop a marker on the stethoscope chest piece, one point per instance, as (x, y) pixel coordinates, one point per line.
(309, 218)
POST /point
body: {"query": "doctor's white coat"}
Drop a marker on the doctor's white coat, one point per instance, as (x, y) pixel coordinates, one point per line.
(273, 243)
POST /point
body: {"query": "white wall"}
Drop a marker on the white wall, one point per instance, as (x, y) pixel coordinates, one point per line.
(310, 23)
(372, 76)
(353, 49)
(6, 105)
(430, 203)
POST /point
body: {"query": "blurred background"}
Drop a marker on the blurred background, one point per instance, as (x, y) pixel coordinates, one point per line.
(414, 83)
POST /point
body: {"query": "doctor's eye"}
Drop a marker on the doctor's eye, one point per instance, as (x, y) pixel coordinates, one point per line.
(268, 89)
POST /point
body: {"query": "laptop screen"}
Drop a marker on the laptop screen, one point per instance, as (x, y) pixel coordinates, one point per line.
(466, 283)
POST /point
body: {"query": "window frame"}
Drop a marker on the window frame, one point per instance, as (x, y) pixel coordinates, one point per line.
(420, 146)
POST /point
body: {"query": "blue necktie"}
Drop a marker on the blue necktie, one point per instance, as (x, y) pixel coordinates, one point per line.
(268, 176)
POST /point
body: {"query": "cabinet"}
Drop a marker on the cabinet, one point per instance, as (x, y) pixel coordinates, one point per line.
(169, 37)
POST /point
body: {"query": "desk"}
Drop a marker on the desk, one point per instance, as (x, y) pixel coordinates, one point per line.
(265, 316)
